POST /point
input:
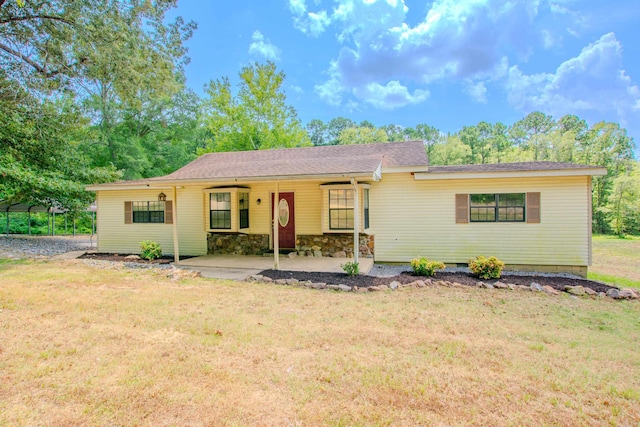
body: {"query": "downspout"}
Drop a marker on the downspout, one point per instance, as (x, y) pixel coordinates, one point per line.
(356, 220)
(276, 223)
(176, 245)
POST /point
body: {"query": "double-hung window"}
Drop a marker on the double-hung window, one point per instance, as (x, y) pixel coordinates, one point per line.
(243, 209)
(220, 210)
(501, 207)
(341, 209)
(145, 212)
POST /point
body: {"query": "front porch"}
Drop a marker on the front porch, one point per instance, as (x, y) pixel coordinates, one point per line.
(239, 267)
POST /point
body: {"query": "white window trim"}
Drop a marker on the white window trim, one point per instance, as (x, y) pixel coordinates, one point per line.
(235, 209)
(325, 206)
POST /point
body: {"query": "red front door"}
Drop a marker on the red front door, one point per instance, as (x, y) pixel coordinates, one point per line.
(286, 221)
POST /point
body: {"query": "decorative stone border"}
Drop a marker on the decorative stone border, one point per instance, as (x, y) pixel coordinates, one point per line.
(618, 294)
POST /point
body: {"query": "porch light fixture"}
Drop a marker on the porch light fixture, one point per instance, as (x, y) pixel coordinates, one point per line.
(258, 201)
(162, 197)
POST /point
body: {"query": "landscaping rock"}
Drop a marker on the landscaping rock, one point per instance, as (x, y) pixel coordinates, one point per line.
(281, 281)
(267, 279)
(500, 285)
(613, 293)
(317, 254)
(292, 282)
(394, 285)
(575, 290)
(535, 287)
(549, 290)
(133, 257)
(317, 285)
(257, 277)
(292, 254)
(523, 287)
(342, 288)
(340, 254)
(627, 294)
(511, 286)
(590, 291)
(359, 290)
(421, 283)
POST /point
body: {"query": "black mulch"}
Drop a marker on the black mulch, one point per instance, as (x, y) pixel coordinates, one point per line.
(123, 258)
(556, 282)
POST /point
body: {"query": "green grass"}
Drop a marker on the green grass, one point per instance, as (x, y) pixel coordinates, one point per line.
(616, 261)
(620, 282)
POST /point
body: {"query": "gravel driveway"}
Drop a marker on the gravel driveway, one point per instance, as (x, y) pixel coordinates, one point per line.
(16, 247)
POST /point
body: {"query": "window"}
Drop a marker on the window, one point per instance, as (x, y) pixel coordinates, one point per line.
(366, 208)
(148, 212)
(220, 210)
(243, 208)
(341, 209)
(505, 207)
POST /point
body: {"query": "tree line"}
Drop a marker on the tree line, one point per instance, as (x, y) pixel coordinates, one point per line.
(94, 91)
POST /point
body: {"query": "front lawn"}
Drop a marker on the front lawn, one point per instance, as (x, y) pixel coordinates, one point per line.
(82, 345)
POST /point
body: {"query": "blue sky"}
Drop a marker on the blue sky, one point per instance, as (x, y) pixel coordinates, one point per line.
(446, 63)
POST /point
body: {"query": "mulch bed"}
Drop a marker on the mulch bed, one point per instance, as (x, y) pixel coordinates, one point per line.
(126, 258)
(362, 281)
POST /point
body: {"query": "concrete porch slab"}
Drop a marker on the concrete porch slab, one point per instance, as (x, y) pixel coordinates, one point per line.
(236, 266)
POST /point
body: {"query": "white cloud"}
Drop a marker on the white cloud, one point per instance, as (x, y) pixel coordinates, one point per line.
(263, 47)
(390, 96)
(297, 89)
(593, 85)
(477, 91)
(458, 40)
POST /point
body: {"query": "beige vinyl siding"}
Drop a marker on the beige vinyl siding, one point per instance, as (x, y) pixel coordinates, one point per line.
(418, 218)
(116, 236)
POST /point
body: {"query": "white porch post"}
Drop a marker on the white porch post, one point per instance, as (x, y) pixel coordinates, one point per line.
(176, 244)
(356, 220)
(276, 242)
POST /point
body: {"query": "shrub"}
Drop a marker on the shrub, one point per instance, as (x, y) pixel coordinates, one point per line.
(351, 268)
(424, 267)
(486, 268)
(150, 250)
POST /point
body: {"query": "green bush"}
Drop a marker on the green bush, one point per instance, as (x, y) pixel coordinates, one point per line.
(150, 250)
(351, 268)
(424, 267)
(486, 268)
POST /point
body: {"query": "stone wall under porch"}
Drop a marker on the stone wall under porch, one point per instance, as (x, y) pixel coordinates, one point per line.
(237, 244)
(339, 245)
(334, 245)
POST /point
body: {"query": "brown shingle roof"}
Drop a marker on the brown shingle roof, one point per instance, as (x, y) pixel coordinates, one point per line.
(508, 167)
(304, 161)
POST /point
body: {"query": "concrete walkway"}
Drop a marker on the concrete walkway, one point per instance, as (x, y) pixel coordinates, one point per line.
(236, 267)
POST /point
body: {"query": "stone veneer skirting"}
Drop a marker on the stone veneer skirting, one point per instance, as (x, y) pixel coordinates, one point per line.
(330, 245)
(237, 244)
(334, 245)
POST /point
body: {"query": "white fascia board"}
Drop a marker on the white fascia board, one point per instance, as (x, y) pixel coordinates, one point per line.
(107, 187)
(238, 180)
(414, 169)
(510, 174)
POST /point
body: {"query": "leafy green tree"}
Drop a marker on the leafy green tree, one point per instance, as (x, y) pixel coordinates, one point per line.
(395, 132)
(39, 160)
(430, 135)
(255, 118)
(452, 152)
(335, 128)
(623, 203)
(317, 131)
(362, 135)
(531, 135)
